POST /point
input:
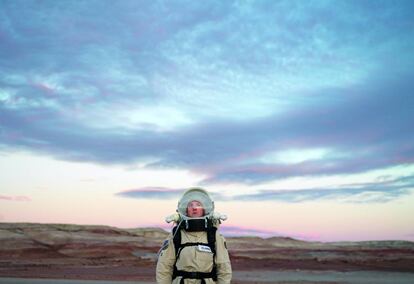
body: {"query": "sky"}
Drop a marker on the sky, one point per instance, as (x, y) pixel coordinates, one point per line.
(297, 116)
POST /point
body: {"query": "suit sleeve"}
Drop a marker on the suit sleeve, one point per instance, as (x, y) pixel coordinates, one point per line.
(165, 263)
(224, 272)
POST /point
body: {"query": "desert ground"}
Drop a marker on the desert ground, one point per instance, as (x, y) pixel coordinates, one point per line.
(65, 253)
(262, 277)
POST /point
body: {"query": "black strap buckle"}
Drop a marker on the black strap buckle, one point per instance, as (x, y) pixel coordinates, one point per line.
(192, 275)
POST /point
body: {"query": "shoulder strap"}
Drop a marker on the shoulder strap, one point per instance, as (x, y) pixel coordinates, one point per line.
(177, 239)
(176, 231)
(211, 239)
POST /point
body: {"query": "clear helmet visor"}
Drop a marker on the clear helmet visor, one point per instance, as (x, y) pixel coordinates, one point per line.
(195, 194)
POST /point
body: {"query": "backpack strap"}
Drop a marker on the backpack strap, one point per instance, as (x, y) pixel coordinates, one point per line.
(177, 246)
(176, 239)
(211, 238)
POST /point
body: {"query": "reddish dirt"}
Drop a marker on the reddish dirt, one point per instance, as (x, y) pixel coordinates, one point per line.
(106, 253)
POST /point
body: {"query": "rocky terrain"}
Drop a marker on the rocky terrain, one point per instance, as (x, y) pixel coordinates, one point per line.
(103, 252)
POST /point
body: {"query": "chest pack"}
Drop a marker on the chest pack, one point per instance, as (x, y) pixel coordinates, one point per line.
(210, 246)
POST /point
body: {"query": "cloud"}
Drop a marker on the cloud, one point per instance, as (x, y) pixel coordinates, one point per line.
(152, 193)
(184, 85)
(231, 231)
(238, 231)
(160, 193)
(15, 198)
(349, 195)
(374, 192)
(381, 191)
(375, 133)
(370, 129)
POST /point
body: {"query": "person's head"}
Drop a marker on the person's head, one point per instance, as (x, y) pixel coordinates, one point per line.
(187, 210)
(195, 209)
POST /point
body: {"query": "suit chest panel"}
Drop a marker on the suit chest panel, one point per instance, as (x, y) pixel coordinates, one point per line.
(195, 258)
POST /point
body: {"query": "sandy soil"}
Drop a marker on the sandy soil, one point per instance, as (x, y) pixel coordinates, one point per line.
(78, 254)
(63, 281)
(264, 277)
(360, 277)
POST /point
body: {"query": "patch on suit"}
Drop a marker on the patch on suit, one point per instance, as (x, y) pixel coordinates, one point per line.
(203, 248)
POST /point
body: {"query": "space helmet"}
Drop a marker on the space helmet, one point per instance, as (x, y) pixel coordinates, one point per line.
(202, 196)
(195, 194)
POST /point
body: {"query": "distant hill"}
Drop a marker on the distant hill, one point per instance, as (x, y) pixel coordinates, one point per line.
(87, 251)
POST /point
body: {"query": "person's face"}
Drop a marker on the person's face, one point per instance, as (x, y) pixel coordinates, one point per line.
(195, 209)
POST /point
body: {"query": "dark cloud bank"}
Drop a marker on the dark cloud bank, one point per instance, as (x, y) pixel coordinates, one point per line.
(372, 126)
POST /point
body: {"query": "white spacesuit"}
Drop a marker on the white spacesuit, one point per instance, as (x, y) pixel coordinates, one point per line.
(194, 252)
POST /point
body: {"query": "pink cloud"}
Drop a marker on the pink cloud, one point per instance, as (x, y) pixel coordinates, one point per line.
(247, 231)
(15, 198)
